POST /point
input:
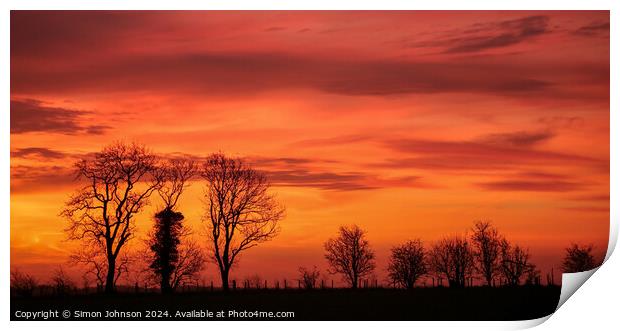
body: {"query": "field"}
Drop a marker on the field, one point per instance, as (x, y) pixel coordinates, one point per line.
(473, 303)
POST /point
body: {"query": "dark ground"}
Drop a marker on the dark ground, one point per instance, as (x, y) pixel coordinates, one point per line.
(474, 303)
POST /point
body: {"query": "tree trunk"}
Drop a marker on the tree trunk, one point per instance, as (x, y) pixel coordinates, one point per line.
(224, 274)
(354, 282)
(109, 281)
(165, 284)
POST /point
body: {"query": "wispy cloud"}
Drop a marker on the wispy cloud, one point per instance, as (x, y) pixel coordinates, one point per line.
(537, 186)
(35, 116)
(593, 29)
(37, 152)
(489, 35)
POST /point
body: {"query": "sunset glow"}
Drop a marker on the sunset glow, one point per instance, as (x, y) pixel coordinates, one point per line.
(409, 124)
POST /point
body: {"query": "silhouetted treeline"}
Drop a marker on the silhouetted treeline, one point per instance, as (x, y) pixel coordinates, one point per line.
(240, 213)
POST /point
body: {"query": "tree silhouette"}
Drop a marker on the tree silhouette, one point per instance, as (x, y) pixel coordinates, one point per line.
(350, 254)
(62, 282)
(22, 283)
(453, 258)
(120, 179)
(486, 242)
(309, 277)
(407, 263)
(171, 261)
(96, 266)
(241, 213)
(515, 263)
(579, 258)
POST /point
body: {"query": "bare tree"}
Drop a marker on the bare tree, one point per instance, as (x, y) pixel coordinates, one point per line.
(172, 259)
(120, 178)
(579, 258)
(62, 282)
(253, 281)
(487, 253)
(515, 263)
(350, 254)
(453, 258)
(407, 263)
(309, 277)
(241, 213)
(96, 265)
(188, 265)
(22, 284)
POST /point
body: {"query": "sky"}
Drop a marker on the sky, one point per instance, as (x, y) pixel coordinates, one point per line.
(409, 124)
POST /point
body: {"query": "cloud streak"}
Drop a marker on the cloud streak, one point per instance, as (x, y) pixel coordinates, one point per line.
(477, 155)
(34, 116)
(489, 35)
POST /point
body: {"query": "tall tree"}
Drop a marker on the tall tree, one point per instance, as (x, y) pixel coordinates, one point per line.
(515, 263)
(487, 253)
(241, 212)
(350, 254)
(579, 258)
(120, 179)
(453, 258)
(173, 259)
(407, 263)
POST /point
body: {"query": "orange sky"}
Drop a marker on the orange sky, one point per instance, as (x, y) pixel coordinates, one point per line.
(410, 124)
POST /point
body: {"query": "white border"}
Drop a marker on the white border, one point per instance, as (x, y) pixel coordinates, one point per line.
(595, 305)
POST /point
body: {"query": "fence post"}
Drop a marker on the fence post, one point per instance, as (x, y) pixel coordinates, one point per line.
(234, 284)
(298, 283)
(332, 283)
(285, 284)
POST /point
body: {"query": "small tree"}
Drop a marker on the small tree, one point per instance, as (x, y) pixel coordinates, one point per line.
(515, 263)
(579, 258)
(241, 213)
(96, 265)
(407, 263)
(62, 282)
(350, 254)
(22, 284)
(453, 258)
(487, 253)
(309, 277)
(253, 281)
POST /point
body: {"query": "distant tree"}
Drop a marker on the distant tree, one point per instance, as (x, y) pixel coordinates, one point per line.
(515, 263)
(579, 258)
(120, 179)
(62, 282)
(253, 281)
(453, 258)
(532, 277)
(173, 259)
(486, 242)
(241, 213)
(23, 284)
(309, 277)
(407, 263)
(350, 254)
